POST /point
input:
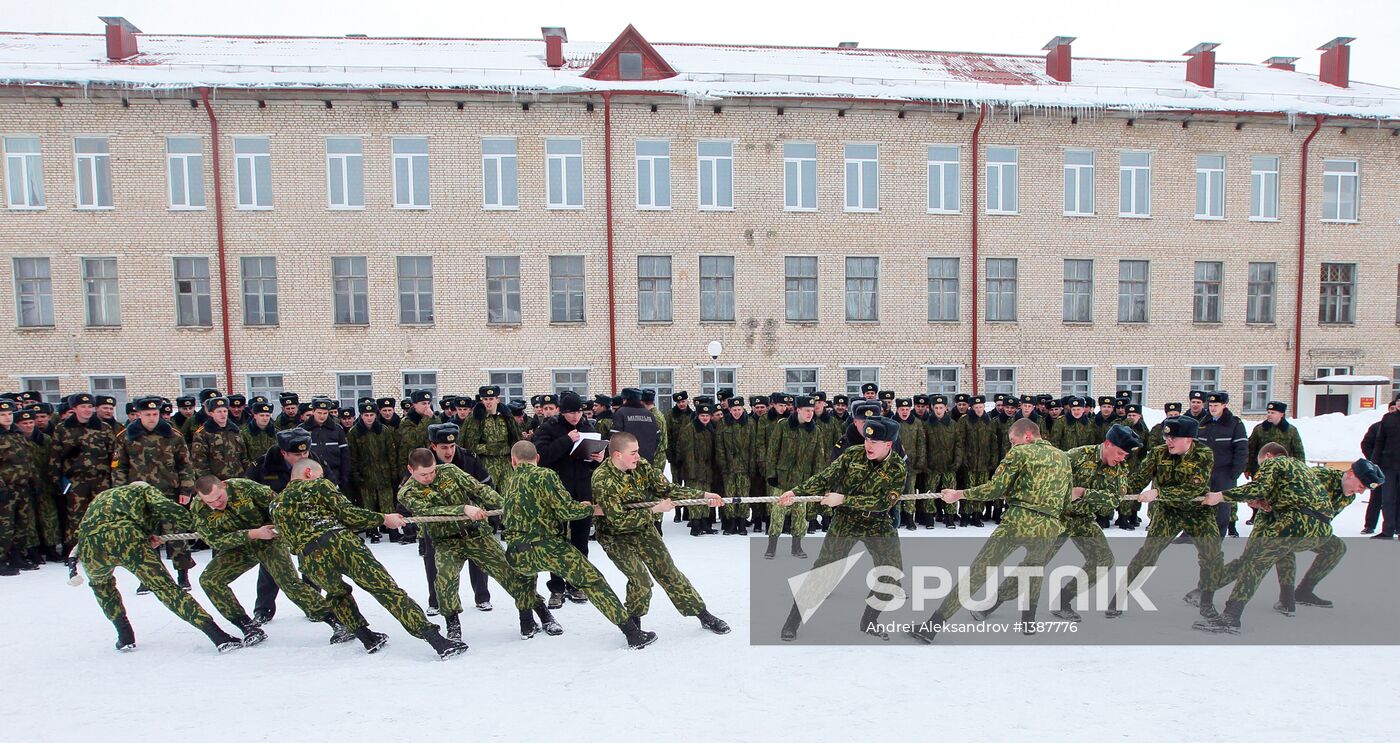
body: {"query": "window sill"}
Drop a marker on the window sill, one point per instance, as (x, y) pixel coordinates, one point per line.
(991, 213)
(187, 209)
(102, 327)
(193, 328)
(945, 322)
(1205, 218)
(412, 208)
(34, 328)
(715, 209)
(1000, 322)
(1207, 323)
(94, 208)
(261, 326)
(252, 208)
(351, 325)
(797, 209)
(1080, 214)
(849, 321)
(503, 325)
(1336, 324)
(428, 324)
(1078, 323)
(1340, 221)
(1263, 219)
(641, 208)
(359, 208)
(942, 211)
(567, 323)
(655, 323)
(1134, 323)
(494, 208)
(28, 208)
(807, 323)
(716, 322)
(853, 210)
(1248, 324)
(1134, 216)
(578, 208)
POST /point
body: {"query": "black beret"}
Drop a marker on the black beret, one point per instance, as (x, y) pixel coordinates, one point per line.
(840, 400)
(1276, 405)
(79, 398)
(1172, 407)
(443, 433)
(866, 409)
(489, 390)
(938, 400)
(1133, 407)
(1181, 426)
(678, 396)
(322, 403)
(869, 387)
(1123, 437)
(1197, 395)
(130, 408)
(880, 429)
(904, 402)
(261, 407)
(978, 400)
(106, 400)
(570, 402)
(386, 402)
(368, 407)
(420, 396)
(215, 402)
(294, 439)
(1369, 474)
(923, 399)
(631, 394)
(648, 395)
(185, 401)
(1219, 396)
(237, 400)
(601, 399)
(736, 402)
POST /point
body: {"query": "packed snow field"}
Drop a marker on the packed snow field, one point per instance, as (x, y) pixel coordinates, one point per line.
(65, 682)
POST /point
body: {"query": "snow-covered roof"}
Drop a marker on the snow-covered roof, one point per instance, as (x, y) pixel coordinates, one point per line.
(1341, 379)
(709, 72)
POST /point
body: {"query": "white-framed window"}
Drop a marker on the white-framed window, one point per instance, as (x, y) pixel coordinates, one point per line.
(1340, 186)
(411, 173)
(24, 173)
(1259, 306)
(1263, 188)
(1079, 290)
(100, 290)
(653, 174)
(415, 379)
(944, 186)
(109, 385)
(415, 289)
(1328, 371)
(33, 293)
(571, 380)
(511, 382)
(92, 165)
(350, 387)
(564, 173)
(1002, 164)
(47, 387)
(265, 385)
(800, 176)
(1210, 187)
(717, 288)
(1206, 292)
(1134, 184)
(863, 289)
(999, 380)
(1394, 382)
(259, 289)
(800, 380)
(1205, 378)
(252, 172)
(184, 159)
(1133, 380)
(503, 289)
(1258, 388)
(661, 382)
(1079, 183)
(943, 380)
(943, 287)
(1133, 291)
(862, 178)
(1001, 290)
(191, 384)
(499, 174)
(800, 287)
(857, 376)
(713, 379)
(716, 174)
(1076, 380)
(566, 288)
(1337, 305)
(350, 289)
(654, 288)
(345, 173)
(192, 292)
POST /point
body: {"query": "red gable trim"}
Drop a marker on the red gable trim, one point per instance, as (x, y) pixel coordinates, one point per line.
(654, 66)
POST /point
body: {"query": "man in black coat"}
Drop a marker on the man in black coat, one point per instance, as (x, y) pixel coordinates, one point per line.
(1385, 452)
(555, 440)
(1368, 448)
(1225, 435)
(634, 418)
(274, 469)
(329, 444)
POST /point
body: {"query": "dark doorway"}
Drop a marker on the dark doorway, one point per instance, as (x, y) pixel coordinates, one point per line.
(1325, 404)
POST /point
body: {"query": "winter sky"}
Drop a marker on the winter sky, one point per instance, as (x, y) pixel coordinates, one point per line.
(1247, 30)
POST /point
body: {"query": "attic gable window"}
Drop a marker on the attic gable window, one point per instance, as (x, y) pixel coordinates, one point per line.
(629, 66)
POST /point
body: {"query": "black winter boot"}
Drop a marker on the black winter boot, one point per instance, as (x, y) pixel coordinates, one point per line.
(1227, 622)
(454, 627)
(1305, 596)
(221, 639)
(339, 634)
(790, 626)
(637, 638)
(1208, 606)
(927, 631)
(797, 547)
(869, 624)
(528, 628)
(182, 579)
(126, 637)
(551, 627)
(772, 550)
(739, 528)
(1028, 621)
(712, 622)
(1286, 601)
(445, 648)
(373, 641)
(252, 635)
(1066, 610)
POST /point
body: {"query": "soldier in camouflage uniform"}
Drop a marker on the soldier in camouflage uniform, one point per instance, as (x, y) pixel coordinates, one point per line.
(914, 434)
(290, 416)
(860, 486)
(975, 449)
(413, 429)
(1274, 428)
(153, 452)
(534, 505)
(319, 524)
(1128, 509)
(260, 434)
(434, 489)
(17, 480)
(118, 530)
(697, 453)
(218, 447)
(795, 453)
(373, 454)
(663, 434)
(81, 454)
(940, 437)
(627, 535)
(48, 528)
(734, 453)
(234, 517)
(678, 416)
(1035, 479)
(489, 433)
(1076, 430)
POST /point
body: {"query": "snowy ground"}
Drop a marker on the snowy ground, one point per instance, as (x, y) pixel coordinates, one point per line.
(64, 682)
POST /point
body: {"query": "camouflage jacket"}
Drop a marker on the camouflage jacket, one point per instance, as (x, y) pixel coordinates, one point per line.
(248, 507)
(796, 451)
(489, 435)
(1072, 433)
(283, 422)
(307, 509)
(158, 457)
(536, 503)
(913, 432)
(413, 434)
(16, 463)
(217, 451)
(1137, 455)
(976, 446)
(940, 442)
(1154, 439)
(735, 452)
(868, 485)
(1179, 479)
(663, 441)
(1034, 476)
(675, 420)
(116, 511)
(613, 489)
(1330, 481)
(374, 456)
(1104, 486)
(697, 452)
(39, 449)
(81, 452)
(1286, 484)
(1101, 425)
(1266, 433)
(449, 491)
(257, 440)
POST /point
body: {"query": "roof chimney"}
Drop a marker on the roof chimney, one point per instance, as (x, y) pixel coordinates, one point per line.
(121, 38)
(847, 44)
(1200, 68)
(1282, 63)
(554, 38)
(1336, 62)
(1057, 62)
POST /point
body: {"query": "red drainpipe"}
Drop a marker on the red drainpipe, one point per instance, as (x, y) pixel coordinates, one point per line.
(1302, 244)
(219, 235)
(976, 191)
(608, 211)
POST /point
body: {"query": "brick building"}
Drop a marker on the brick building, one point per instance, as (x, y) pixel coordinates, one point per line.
(341, 215)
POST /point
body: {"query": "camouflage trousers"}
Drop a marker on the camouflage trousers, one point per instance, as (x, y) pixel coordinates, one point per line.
(1089, 539)
(8, 503)
(876, 534)
(1273, 545)
(933, 483)
(737, 485)
(1165, 524)
(19, 524)
(273, 556)
(641, 556)
(1020, 528)
(103, 549)
(970, 508)
(77, 499)
(776, 514)
(698, 512)
(45, 529)
(560, 557)
(499, 469)
(345, 556)
(486, 553)
(379, 499)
